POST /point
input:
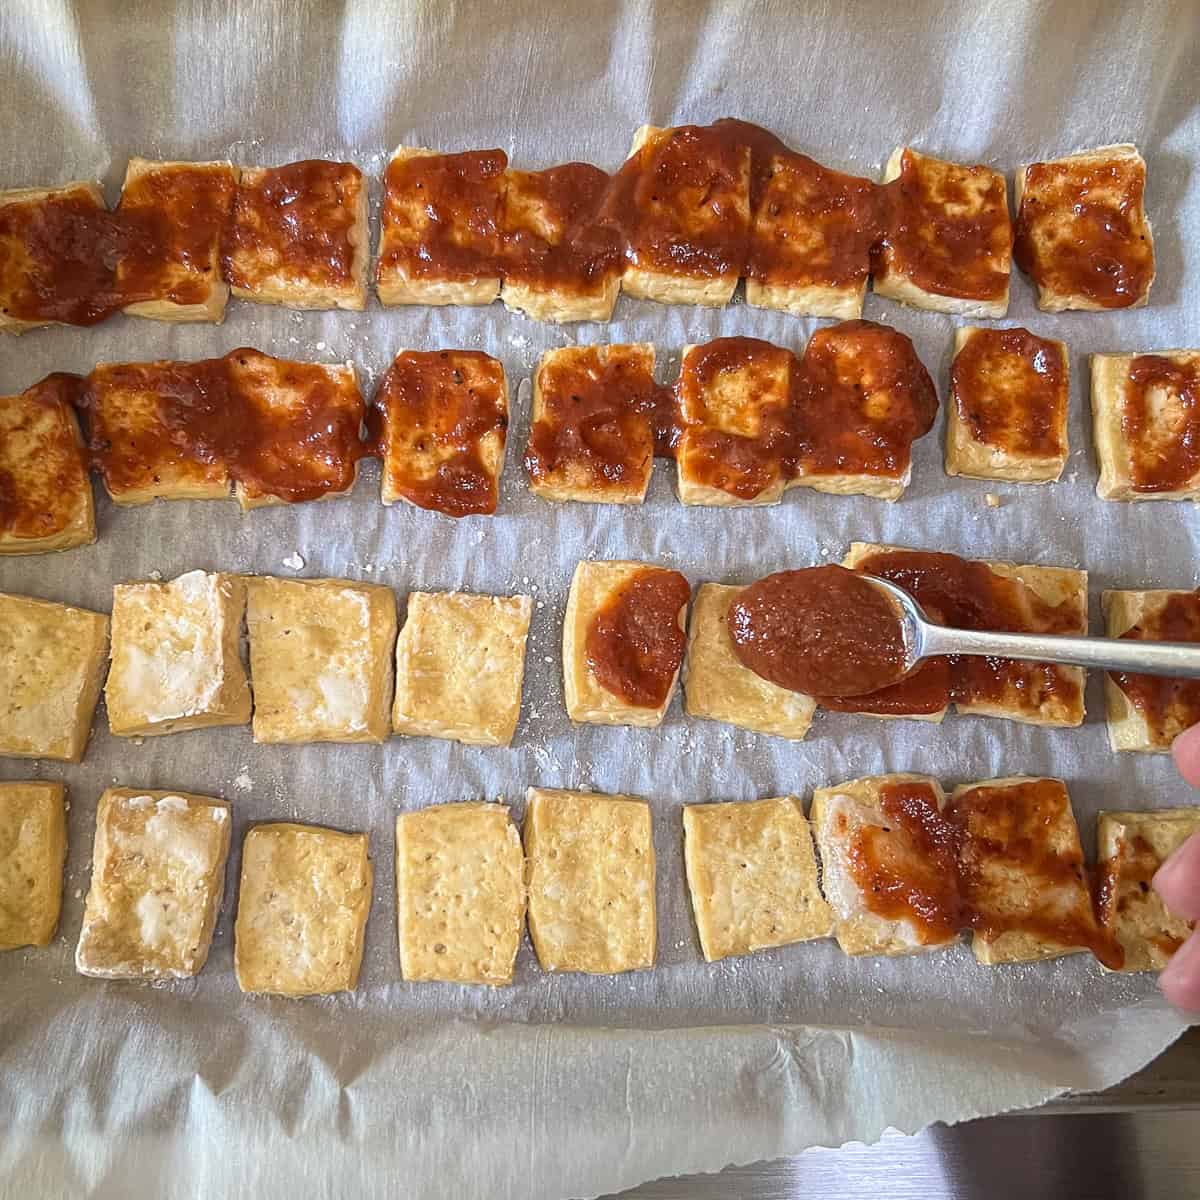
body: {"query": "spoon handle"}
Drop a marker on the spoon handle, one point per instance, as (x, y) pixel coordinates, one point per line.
(1179, 659)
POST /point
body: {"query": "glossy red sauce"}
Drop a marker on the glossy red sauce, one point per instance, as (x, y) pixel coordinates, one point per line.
(966, 595)
(65, 269)
(220, 412)
(40, 495)
(852, 404)
(635, 644)
(698, 201)
(819, 630)
(1127, 877)
(435, 410)
(812, 226)
(602, 416)
(938, 234)
(862, 398)
(1081, 231)
(1164, 448)
(1008, 831)
(78, 263)
(441, 215)
(748, 458)
(1010, 390)
(1169, 706)
(681, 202)
(172, 219)
(728, 198)
(294, 221)
(998, 860)
(907, 869)
(552, 237)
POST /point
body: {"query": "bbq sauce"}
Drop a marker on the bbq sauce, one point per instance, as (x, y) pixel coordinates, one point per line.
(296, 221)
(852, 404)
(1162, 459)
(945, 228)
(1009, 389)
(1168, 706)
(988, 863)
(967, 595)
(1081, 231)
(634, 644)
(907, 869)
(73, 261)
(437, 409)
(41, 498)
(822, 629)
(220, 413)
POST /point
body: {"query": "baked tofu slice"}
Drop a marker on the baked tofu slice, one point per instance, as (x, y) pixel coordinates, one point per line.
(158, 877)
(320, 659)
(752, 875)
(683, 201)
(718, 687)
(298, 236)
(444, 419)
(1131, 846)
(306, 421)
(132, 445)
(52, 660)
(1052, 599)
(1147, 712)
(947, 244)
(33, 849)
(275, 430)
(460, 666)
(302, 910)
(736, 404)
(439, 237)
(45, 492)
(460, 893)
(889, 864)
(1146, 425)
(810, 239)
(560, 264)
(1082, 232)
(867, 398)
(592, 433)
(1007, 416)
(56, 257)
(1022, 872)
(591, 881)
(172, 215)
(176, 661)
(623, 639)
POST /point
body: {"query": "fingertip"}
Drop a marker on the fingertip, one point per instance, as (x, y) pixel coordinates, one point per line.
(1186, 749)
(1180, 980)
(1177, 881)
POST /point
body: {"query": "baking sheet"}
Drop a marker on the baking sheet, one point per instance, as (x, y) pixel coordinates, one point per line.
(574, 1085)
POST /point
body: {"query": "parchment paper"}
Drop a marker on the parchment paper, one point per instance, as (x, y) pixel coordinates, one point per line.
(574, 1085)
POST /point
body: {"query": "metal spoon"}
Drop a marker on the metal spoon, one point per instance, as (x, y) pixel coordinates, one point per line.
(925, 639)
